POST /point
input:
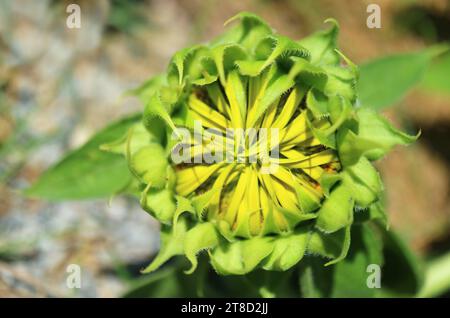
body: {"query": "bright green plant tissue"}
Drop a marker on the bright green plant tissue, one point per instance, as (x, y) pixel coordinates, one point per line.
(242, 216)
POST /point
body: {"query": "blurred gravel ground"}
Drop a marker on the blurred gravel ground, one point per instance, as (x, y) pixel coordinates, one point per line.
(61, 86)
(58, 86)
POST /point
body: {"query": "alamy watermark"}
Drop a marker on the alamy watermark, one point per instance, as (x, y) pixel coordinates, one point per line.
(73, 279)
(374, 279)
(73, 20)
(374, 19)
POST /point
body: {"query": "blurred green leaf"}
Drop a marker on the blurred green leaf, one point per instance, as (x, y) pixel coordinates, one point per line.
(437, 278)
(437, 76)
(171, 281)
(269, 284)
(402, 272)
(347, 278)
(385, 81)
(87, 172)
(351, 274)
(315, 279)
(163, 283)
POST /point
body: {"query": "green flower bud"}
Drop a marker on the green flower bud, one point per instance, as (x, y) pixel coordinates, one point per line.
(276, 157)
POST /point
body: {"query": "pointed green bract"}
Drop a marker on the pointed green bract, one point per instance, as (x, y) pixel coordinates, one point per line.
(155, 108)
(373, 137)
(201, 237)
(171, 244)
(183, 205)
(322, 45)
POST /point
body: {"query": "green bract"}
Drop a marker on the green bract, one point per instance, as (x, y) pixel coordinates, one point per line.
(246, 218)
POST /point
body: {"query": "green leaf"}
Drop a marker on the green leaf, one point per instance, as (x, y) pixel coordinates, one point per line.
(437, 278)
(437, 76)
(315, 280)
(135, 138)
(171, 244)
(269, 284)
(386, 80)
(87, 172)
(169, 282)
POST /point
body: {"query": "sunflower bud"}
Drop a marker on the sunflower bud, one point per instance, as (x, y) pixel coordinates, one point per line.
(252, 148)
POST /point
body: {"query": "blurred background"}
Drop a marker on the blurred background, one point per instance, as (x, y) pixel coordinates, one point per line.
(58, 86)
